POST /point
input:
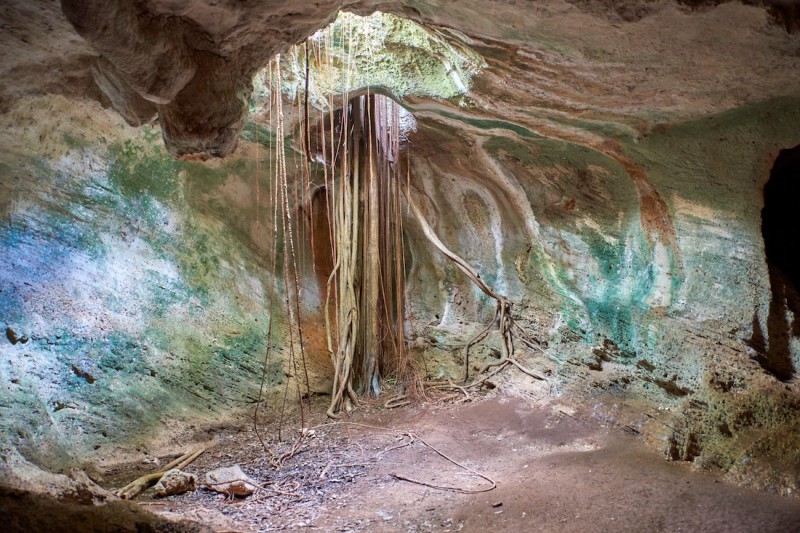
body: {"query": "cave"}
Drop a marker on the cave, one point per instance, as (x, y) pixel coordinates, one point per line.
(399, 266)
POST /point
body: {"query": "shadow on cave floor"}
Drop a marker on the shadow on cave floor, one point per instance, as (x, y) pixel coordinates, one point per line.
(22, 511)
(554, 473)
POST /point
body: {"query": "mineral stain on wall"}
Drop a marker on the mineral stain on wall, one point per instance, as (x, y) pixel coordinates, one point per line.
(140, 298)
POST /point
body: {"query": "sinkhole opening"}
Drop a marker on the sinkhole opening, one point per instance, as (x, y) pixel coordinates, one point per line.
(379, 53)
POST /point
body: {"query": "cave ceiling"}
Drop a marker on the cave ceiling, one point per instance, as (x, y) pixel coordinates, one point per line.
(552, 66)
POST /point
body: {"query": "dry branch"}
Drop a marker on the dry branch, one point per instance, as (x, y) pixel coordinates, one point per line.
(139, 485)
(413, 437)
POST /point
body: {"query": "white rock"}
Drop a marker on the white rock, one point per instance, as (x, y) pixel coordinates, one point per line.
(175, 482)
(231, 481)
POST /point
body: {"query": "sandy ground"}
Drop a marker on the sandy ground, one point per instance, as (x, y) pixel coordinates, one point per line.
(553, 473)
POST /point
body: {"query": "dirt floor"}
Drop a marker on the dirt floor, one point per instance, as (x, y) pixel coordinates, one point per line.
(552, 472)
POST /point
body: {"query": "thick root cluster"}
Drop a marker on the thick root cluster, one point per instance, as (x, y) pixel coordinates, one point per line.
(502, 317)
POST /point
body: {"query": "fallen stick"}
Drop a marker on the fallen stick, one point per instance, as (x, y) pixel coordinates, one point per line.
(139, 485)
(442, 487)
(413, 437)
(492, 483)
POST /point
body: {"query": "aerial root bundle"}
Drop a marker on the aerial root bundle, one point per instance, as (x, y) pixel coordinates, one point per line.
(502, 317)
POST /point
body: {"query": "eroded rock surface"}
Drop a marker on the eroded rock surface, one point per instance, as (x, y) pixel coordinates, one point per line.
(196, 59)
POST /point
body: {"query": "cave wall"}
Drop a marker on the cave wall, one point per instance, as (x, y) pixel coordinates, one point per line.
(134, 287)
(138, 285)
(685, 328)
(561, 223)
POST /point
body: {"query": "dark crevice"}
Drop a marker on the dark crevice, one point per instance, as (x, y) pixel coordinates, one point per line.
(320, 236)
(785, 13)
(780, 226)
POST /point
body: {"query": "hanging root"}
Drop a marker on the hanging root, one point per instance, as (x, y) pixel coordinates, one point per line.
(277, 460)
(368, 279)
(502, 316)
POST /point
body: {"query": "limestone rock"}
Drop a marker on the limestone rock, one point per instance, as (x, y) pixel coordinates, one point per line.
(124, 99)
(590, 171)
(19, 474)
(149, 50)
(231, 480)
(175, 482)
(14, 337)
(194, 60)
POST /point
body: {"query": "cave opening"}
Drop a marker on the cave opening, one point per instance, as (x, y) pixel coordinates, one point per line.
(780, 228)
(344, 85)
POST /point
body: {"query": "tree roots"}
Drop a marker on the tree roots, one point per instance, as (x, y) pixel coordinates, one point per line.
(502, 316)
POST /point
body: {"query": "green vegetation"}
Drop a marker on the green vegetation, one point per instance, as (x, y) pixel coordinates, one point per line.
(378, 51)
(143, 168)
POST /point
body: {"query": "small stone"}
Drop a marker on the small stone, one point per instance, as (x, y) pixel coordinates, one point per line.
(231, 481)
(83, 375)
(13, 338)
(175, 482)
(497, 504)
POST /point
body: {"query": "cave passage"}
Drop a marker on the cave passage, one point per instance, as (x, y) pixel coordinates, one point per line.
(780, 227)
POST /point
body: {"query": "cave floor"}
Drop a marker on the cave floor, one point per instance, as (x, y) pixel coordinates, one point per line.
(553, 473)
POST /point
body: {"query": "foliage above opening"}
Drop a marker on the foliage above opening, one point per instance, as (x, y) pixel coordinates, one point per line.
(381, 51)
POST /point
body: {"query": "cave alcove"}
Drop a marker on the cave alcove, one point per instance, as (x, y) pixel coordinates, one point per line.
(780, 227)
